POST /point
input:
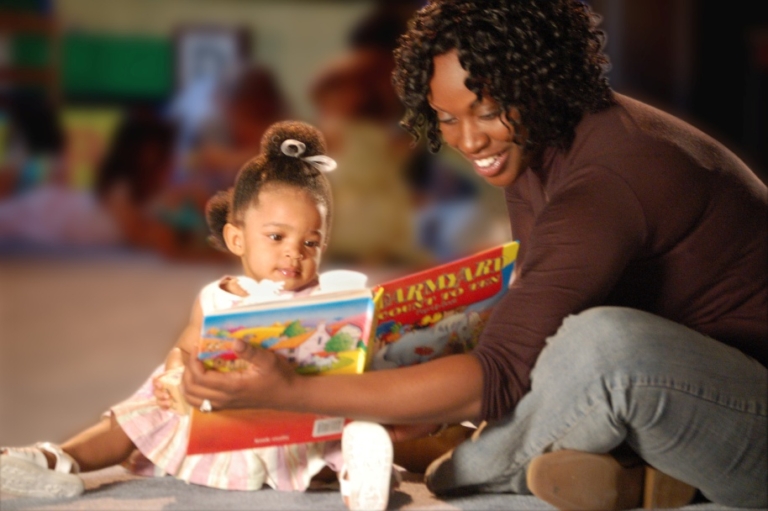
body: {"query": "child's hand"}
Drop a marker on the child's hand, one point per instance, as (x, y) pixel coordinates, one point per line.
(162, 395)
(167, 390)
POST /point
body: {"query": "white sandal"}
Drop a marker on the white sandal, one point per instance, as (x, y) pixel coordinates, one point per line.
(24, 471)
(367, 473)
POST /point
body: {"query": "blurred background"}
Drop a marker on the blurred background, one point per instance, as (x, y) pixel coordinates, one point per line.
(119, 118)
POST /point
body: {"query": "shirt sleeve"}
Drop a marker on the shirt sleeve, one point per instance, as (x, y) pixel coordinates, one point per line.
(578, 246)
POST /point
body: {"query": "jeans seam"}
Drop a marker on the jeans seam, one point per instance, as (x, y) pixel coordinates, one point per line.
(760, 410)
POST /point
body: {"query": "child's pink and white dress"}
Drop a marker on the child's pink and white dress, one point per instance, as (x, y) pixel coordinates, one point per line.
(161, 435)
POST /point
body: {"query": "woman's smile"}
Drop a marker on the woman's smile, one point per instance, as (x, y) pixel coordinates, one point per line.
(491, 165)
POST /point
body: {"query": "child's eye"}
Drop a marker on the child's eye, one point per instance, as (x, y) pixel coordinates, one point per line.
(275, 237)
(312, 244)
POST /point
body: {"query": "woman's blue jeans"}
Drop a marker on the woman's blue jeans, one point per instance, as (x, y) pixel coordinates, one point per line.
(690, 406)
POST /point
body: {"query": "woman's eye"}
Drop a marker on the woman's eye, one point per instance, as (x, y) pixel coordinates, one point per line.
(490, 116)
(450, 120)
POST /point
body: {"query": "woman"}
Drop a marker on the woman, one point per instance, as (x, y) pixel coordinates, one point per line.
(637, 314)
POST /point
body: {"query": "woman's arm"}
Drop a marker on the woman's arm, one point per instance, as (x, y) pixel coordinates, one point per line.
(448, 389)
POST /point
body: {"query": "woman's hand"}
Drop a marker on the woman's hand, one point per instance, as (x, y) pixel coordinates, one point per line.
(267, 382)
(448, 389)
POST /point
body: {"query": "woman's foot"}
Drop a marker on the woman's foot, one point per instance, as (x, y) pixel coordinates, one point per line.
(26, 471)
(574, 480)
(366, 477)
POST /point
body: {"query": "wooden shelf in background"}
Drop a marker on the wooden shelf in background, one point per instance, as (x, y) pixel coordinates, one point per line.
(28, 75)
(26, 22)
(42, 24)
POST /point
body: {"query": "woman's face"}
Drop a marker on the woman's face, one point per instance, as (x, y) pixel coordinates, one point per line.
(477, 129)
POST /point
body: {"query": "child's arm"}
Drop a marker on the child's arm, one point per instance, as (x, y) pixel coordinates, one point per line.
(187, 340)
(166, 389)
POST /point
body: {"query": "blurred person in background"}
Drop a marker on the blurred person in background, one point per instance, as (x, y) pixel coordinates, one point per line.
(245, 104)
(425, 207)
(33, 145)
(125, 208)
(357, 109)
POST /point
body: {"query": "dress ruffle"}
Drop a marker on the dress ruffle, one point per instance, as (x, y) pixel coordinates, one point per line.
(161, 437)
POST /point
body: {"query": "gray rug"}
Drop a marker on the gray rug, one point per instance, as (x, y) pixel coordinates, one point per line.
(115, 489)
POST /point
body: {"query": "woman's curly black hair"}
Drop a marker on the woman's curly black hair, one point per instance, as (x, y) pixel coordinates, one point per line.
(543, 57)
(272, 167)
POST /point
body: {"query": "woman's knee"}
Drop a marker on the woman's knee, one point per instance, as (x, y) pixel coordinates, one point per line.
(593, 342)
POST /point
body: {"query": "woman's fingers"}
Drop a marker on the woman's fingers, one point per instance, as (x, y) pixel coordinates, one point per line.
(237, 389)
(261, 359)
(199, 384)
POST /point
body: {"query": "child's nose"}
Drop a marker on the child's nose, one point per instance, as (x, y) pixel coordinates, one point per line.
(293, 252)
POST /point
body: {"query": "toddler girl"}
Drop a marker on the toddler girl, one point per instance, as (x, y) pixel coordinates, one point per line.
(275, 220)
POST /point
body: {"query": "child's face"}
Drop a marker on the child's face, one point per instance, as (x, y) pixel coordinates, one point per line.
(282, 238)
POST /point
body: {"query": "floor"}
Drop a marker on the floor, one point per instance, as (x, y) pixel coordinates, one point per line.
(81, 333)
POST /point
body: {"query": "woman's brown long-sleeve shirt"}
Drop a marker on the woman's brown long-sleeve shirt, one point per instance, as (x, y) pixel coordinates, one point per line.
(643, 211)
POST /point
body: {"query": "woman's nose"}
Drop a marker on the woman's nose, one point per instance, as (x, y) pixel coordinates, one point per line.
(471, 139)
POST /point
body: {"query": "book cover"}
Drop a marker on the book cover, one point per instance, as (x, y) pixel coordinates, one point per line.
(442, 310)
(320, 334)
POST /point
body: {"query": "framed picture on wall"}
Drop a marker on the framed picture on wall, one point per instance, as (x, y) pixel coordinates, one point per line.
(205, 52)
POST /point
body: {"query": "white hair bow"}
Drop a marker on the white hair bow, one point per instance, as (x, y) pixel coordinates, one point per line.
(296, 148)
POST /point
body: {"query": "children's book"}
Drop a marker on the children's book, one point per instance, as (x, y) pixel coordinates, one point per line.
(439, 311)
(405, 321)
(325, 333)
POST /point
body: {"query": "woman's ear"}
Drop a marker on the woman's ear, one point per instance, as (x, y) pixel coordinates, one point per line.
(233, 237)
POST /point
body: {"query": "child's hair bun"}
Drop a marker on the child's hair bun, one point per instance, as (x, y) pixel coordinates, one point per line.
(309, 136)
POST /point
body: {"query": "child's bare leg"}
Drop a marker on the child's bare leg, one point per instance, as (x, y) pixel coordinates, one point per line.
(100, 446)
(47, 470)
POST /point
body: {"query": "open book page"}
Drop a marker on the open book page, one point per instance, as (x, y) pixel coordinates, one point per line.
(442, 310)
